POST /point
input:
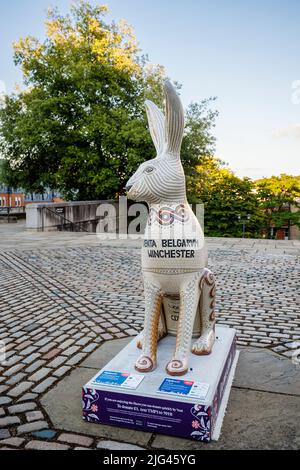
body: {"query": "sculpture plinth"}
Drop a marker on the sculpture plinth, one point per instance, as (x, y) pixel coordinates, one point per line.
(191, 407)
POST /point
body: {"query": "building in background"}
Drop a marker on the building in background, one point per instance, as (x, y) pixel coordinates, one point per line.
(286, 231)
(11, 197)
(17, 199)
(48, 196)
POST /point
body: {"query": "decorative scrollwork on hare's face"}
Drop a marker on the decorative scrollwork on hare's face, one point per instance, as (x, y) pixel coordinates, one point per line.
(162, 178)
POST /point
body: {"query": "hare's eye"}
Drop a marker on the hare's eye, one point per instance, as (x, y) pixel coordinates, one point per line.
(149, 169)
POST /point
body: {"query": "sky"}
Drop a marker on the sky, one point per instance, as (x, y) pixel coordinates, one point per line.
(246, 53)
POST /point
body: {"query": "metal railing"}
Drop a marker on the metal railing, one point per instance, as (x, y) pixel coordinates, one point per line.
(4, 210)
(65, 224)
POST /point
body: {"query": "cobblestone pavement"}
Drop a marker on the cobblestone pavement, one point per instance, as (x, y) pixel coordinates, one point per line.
(60, 303)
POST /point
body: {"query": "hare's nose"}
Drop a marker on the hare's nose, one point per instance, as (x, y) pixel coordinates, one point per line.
(128, 187)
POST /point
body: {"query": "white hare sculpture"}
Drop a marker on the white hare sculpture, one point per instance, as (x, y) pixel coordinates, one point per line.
(177, 283)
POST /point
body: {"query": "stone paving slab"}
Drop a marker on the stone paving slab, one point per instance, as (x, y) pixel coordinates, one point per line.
(64, 407)
(254, 420)
(101, 356)
(266, 371)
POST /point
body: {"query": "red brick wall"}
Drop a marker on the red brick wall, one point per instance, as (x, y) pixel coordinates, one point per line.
(16, 199)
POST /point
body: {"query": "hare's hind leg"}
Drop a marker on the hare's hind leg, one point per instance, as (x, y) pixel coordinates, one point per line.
(204, 344)
(153, 300)
(189, 299)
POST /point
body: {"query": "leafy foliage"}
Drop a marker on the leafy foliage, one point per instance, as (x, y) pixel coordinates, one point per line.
(229, 201)
(280, 200)
(198, 141)
(80, 126)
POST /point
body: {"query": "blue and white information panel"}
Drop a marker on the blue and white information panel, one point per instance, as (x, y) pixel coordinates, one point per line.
(186, 388)
(118, 379)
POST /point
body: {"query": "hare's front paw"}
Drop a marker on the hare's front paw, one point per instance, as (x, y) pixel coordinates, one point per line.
(177, 367)
(145, 364)
(204, 344)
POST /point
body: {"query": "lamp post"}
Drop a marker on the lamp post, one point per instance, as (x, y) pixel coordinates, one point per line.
(244, 222)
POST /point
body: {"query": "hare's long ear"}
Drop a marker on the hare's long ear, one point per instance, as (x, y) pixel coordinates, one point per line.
(174, 120)
(156, 121)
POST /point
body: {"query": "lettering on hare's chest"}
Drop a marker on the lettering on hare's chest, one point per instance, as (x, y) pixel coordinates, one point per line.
(171, 248)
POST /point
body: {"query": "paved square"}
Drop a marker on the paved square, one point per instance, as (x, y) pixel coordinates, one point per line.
(64, 296)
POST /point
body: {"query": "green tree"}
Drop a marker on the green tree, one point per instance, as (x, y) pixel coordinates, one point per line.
(279, 198)
(79, 125)
(198, 141)
(229, 201)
